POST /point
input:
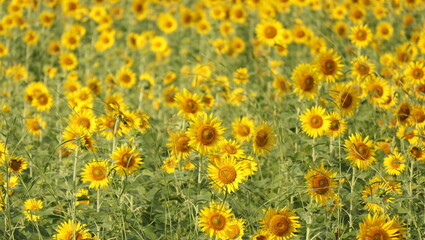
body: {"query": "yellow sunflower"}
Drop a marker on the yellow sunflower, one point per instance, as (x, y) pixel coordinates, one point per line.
(236, 229)
(178, 144)
(305, 81)
(360, 151)
(230, 148)
(170, 164)
(205, 134)
(362, 68)
(321, 184)
(328, 65)
(189, 104)
(384, 30)
(214, 220)
(337, 125)
(263, 235)
(346, 97)
(30, 206)
(376, 227)
(417, 152)
(126, 78)
(280, 224)
(378, 89)
(394, 164)
(3, 153)
(35, 125)
(17, 164)
(85, 118)
(167, 23)
(269, 32)
(403, 113)
(97, 173)
(415, 72)
(76, 136)
(377, 195)
(361, 35)
(109, 125)
(226, 174)
(263, 139)
(70, 230)
(281, 85)
(314, 121)
(243, 129)
(68, 61)
(127, 160)
(42, 101)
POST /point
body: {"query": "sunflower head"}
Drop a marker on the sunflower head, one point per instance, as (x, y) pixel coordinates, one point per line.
(315, 122)
(205, 134)
(280, 223)
(214, 220)
(321, 183)
(360, 151)
(127, 159)
(263, 139)
(97, 173)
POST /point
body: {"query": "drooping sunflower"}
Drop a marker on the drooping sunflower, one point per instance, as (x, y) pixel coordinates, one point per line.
(236, 229)
(17, 164)
(127, 160)
(337, 125)
(35, 125)
(263, 139)
(328, 65)
(360, 151)
(377, 227)
(280, 224)
(189, 104)
(226, 174)
(70, 229)
(214, 220)
(269, 32)
(415, 72)
(321, 184)
(205, 134)
(178, 144)
(230, 148)
(243, 129)
(394, 163)
(314, 121)
(346, 97)
(30, 206)
(362, 68)
(96, 173)
(305, 81)
(361, 35)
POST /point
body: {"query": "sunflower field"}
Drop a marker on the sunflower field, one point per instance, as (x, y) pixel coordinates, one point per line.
(212, 119)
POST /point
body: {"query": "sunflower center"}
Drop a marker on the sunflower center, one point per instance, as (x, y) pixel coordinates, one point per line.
(328, 67)
(190, 106)
(395, 163)
(35, 126)
(127, 160)
(233, 232)
(218, 221)
(243, 130)
(84, 96)
(418, 73)
(334, 125)
(68, 61)
(72, 40)
(227, 174)
(377, 233)
(85, 122)
(377, 91)
(385, 31)
(182, 144)
(168, 24)
(316, 121)
(126, 78)
(346, 100)
(416, 152)
(15, 164)
(206, 135)
(419, 116)
(362, 151)
(300, 34)
(361, 35)
(261, 237)
(279, 225)
(403, 112)
(270, 32)
(42, 99)
(363, 69)
(98, 173)
(320, 184)
(230, 149)
(420, 89)
(261, 138)
(307, 83)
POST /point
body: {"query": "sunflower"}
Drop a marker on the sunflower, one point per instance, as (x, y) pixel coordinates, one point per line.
(167, 23)
(109, 125)
(205, 134)
(189, 104)
(250, 165)
(70, 229)
(126, 78)
(82, 196)
(226, 174)
(76, 136)
(321, 183)
(68, 61)
(31, 205)
(33, 90)
(305, 81)
(337, 125)
(361, 35)
(281, 85)
(31, 37)
(85, 118)
(377, 195)
(17, 164)
(384, 30)
(115, 101)
(142, 124)
(230, 148)
(269, 31)
(178, 144)
(236, 229)
(214, 220)
(263, 139)
(35, 125)
(3, 50)
(403, 113)
(3, 153)
(243, 129)
(170, 164)
(346, 97)
(394, 163)
(158, 44)
(96, 173)
(415, 72)
(377, 227)
(70, 40)
(360, 151)
(127, 159)
(263, 235)
(280, 224)
(43, 101)
(362, 68)
(378, 89)
(314, 121)
(328, 65)
(417, 152)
